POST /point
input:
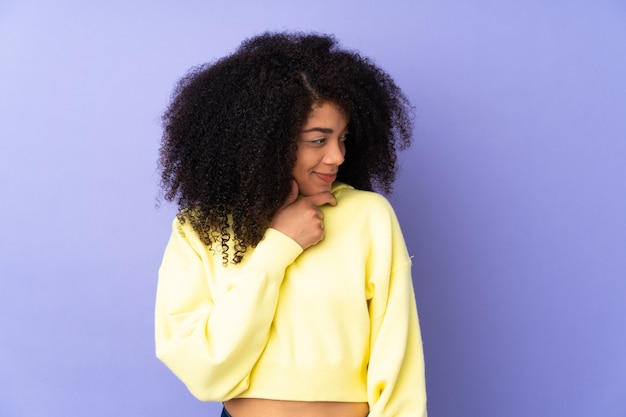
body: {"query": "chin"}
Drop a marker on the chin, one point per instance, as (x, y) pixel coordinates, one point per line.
(308, 191)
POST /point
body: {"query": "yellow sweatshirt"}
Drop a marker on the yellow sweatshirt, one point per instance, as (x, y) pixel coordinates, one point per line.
(335, 322)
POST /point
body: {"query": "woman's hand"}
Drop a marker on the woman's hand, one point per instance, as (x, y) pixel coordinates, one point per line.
(302, 220)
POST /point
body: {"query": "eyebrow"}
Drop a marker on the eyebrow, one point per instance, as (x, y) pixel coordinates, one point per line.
(321, 129)
(318, 129)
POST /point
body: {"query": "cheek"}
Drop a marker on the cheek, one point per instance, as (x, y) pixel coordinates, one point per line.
(306, 160)
(300, 168)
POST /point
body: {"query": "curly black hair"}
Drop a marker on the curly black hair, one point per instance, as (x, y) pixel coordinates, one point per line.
(229, 142)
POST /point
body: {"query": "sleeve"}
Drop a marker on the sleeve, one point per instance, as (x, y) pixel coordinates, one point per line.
(213, 345)
(396, 378)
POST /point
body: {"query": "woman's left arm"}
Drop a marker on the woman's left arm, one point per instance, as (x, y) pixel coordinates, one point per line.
(395, 380)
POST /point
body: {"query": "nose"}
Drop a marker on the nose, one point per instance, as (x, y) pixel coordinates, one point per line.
(335, 152)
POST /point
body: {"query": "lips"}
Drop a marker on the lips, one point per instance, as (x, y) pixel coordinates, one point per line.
(326, 177)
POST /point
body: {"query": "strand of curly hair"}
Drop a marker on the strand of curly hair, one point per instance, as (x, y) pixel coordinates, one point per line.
(229, 133)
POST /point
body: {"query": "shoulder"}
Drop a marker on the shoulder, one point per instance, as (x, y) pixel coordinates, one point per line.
(361, 200)
(185, 234)
(368, 218)
(181, 225)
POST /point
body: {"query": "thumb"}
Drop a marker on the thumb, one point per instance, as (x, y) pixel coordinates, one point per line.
(293, 194)
(325, 197)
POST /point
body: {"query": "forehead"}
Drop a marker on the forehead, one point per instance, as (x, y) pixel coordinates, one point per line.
(326, 112)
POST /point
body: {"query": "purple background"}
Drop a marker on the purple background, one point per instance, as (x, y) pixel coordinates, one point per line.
(512, 199)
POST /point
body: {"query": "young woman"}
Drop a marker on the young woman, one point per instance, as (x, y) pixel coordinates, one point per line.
(285, 289)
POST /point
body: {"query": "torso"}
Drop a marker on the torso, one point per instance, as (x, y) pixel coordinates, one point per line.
(351, 295)
(256, 407)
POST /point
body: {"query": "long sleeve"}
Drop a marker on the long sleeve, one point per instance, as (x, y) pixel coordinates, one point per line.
(395, 381)
(212, 322)
(395, 376)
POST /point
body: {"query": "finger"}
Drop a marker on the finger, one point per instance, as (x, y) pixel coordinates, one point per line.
(323, 198)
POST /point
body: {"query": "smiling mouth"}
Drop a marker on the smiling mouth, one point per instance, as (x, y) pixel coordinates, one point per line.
(326, 177)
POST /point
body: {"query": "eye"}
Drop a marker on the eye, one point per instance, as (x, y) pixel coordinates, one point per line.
(318, 141)
(344, 137)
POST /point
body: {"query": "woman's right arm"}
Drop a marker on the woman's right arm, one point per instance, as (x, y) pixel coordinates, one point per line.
(212, 345)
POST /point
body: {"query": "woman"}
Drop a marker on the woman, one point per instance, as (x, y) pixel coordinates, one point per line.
(285, 289)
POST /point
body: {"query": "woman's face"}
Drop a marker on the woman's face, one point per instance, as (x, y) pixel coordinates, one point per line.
(321, 149)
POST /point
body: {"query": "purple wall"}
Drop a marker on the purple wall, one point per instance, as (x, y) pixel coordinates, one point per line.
(512, 198)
